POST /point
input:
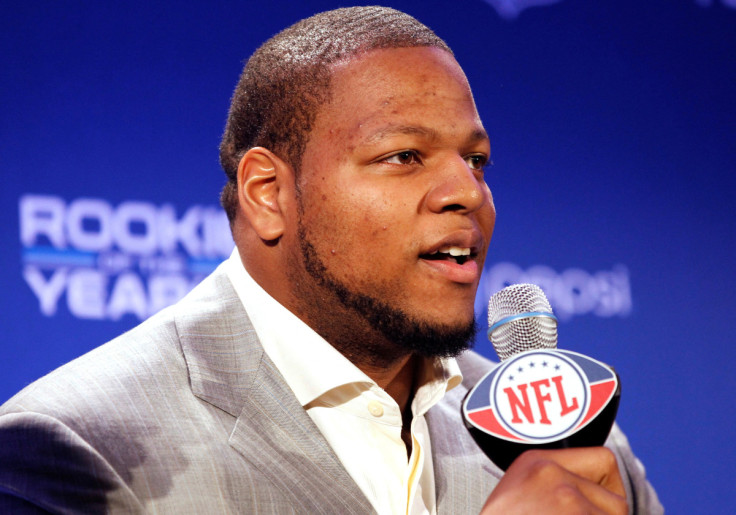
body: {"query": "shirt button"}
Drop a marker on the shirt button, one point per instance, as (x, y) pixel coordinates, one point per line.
(375, 408)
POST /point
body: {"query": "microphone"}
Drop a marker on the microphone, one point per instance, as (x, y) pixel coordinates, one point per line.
(538, 396)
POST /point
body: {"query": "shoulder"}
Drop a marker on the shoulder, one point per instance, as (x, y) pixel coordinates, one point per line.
(144, 362)
(473, 367)
(70, 427)
(96, 377)
(127, 385)
(122, 422)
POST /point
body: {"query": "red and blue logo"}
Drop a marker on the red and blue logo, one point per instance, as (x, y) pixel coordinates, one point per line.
(540, 396)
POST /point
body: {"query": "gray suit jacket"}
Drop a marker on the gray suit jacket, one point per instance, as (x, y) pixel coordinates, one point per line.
(187, 414)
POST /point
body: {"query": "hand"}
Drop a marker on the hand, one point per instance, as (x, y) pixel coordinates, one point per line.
(580, 480)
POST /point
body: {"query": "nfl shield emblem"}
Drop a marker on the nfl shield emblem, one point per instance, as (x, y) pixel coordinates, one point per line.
(542, 399)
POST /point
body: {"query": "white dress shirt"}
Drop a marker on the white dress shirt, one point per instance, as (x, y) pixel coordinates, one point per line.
(358, 418)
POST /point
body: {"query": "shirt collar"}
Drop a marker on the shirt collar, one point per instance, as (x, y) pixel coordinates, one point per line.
(310, 365)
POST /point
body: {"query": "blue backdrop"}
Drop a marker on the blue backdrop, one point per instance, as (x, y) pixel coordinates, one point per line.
(613, 124)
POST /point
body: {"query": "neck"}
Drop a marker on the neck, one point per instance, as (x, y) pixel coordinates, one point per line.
(397, 379)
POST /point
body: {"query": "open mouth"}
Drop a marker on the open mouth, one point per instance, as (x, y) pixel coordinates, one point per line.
(457, 255)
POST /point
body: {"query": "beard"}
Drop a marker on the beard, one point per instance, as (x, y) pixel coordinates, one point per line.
(400, 333)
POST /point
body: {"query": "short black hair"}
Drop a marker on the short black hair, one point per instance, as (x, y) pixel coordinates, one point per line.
(287, 78)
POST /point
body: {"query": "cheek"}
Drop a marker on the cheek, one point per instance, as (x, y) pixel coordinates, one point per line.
(488, 215)
(379, 232)
(354, 230)
(366, 230)
(350, 207)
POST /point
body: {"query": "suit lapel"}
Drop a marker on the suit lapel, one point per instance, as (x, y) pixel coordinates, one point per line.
(464, 477)
(229, 369)
(277, 436)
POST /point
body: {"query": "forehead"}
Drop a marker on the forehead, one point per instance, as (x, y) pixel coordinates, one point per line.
(407, 89)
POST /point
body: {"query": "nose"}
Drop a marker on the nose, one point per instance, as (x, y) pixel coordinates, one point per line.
(458, 188)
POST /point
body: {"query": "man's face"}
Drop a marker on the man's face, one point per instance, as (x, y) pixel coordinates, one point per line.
(393, 210)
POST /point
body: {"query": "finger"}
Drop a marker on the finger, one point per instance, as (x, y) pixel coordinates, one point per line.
(597, 464)
(599, 498)
(561, 481)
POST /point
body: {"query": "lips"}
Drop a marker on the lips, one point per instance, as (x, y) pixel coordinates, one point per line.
(450, 253)
(454, 258)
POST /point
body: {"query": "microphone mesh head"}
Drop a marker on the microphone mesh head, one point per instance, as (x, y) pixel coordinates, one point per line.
(523, 333)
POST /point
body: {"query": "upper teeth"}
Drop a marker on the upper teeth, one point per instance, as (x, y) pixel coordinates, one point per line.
(454, 251)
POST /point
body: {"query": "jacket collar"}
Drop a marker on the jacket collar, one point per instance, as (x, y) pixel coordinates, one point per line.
(464, 477)
(229, 369)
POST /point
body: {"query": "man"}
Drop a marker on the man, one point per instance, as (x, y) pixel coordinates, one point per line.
(312, 371)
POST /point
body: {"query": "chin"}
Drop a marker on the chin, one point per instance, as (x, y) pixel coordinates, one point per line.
(443, 318)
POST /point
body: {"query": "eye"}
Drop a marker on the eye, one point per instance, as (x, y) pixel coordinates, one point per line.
(476, 161)
(405, 157)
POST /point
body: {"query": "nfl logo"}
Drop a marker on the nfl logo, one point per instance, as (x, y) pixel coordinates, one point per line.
(542, 398)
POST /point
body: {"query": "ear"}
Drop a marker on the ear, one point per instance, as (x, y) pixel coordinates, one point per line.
(261, 177)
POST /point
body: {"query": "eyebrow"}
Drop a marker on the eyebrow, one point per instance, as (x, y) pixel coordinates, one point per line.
(432, 134)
